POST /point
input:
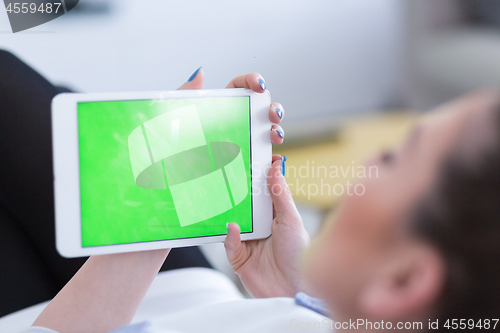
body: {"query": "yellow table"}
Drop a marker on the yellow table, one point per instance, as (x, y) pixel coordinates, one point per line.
(317, 174)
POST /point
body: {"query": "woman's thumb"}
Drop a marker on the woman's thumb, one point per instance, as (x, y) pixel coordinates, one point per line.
(232, 243)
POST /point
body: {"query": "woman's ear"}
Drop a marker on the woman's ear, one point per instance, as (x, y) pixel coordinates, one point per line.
(408, 286)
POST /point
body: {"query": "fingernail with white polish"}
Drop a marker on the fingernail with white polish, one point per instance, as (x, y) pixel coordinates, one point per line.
(262, 84)
(280, 113)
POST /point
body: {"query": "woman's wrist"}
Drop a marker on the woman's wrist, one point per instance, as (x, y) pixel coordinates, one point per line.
(107, 290)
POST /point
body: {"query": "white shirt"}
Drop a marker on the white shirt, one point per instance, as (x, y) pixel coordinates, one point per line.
(199, 300)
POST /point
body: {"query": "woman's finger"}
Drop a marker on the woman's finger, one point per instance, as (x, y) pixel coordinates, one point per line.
(195, 81)
(276, 157)
(277, 134)
(253, 81)
(276, 113)
(284, 206)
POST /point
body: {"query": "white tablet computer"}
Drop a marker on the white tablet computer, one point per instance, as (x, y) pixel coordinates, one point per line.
(150, 170)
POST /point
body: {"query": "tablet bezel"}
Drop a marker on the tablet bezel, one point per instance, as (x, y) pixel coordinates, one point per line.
(67, 180)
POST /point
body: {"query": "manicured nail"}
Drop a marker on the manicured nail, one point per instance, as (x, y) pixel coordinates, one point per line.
(280, 113)
(280, 133)
(283, 160)
(191, 78)
(262, 84)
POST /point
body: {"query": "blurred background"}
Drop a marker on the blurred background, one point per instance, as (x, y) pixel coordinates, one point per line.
(352, 75)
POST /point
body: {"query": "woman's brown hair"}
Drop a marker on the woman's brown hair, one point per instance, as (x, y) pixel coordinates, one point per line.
(461, 217)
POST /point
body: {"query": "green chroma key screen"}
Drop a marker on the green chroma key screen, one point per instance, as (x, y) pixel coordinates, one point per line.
(164, 169)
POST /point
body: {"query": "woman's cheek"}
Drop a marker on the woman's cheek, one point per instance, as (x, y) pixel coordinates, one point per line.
(314, 265)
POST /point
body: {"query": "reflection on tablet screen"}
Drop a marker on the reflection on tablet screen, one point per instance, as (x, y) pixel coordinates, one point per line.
(164, 169)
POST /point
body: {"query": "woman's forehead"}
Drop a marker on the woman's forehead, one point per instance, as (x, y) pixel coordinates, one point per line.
(458, 120)
(463, 107)
(462, 128)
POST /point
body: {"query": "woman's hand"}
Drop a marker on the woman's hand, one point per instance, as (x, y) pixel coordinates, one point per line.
(268, 267)
(252, 81)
